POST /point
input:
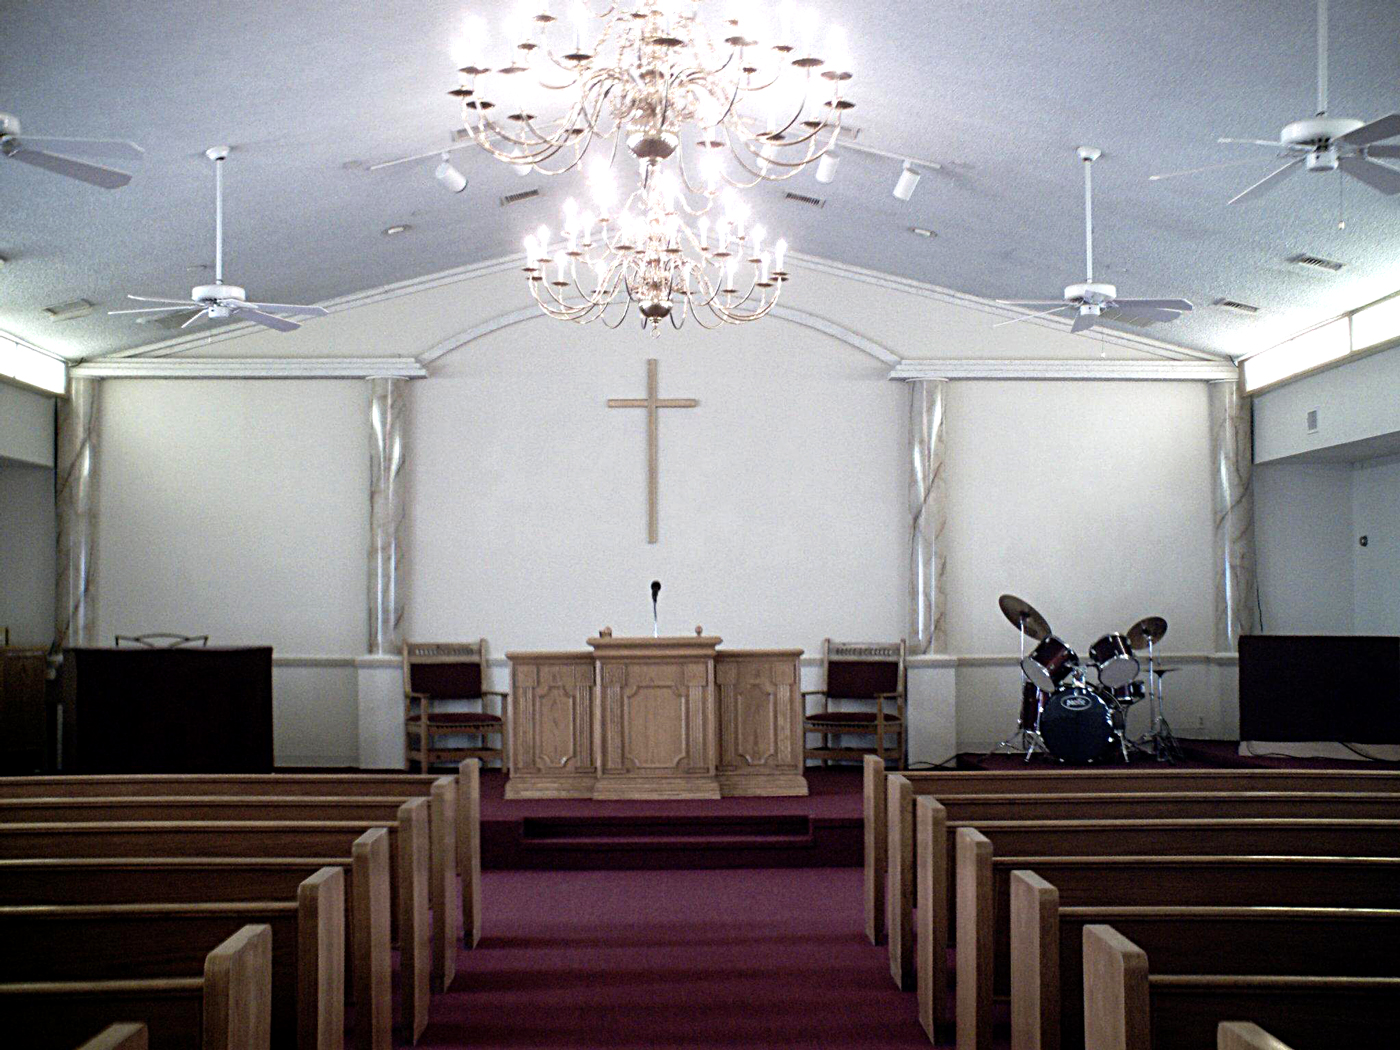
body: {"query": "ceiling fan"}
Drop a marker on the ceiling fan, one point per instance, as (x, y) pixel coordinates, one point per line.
(1323, 143)
(40, 152)
(219, 300)
(1091, 300)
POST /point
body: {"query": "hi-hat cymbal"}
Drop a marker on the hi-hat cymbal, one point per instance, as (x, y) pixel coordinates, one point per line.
(1024, 617)
(1149, 629)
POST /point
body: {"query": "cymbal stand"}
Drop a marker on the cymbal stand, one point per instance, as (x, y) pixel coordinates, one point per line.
(1026, 739)
(1161, 740)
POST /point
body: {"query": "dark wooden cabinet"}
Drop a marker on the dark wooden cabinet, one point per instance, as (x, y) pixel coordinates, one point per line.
(25, 728)
(205, 710)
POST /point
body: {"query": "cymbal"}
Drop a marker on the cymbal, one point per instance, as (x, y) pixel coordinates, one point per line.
(1023, 616)
(1149, 629)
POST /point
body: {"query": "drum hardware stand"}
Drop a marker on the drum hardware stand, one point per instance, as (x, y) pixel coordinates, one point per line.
(1160, 742)
(1026, 739)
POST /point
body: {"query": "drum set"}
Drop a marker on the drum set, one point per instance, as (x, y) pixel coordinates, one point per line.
(1068, 717)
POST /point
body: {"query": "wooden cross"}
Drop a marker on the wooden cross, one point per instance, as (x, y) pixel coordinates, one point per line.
(652, 403)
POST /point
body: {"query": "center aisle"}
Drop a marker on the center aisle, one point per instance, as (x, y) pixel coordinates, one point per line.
(772, 957)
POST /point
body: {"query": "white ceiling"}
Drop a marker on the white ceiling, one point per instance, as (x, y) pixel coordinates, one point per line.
(311, 93)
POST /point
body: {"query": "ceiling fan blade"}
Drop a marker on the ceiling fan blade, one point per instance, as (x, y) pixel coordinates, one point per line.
(92, 174)
(1044, 303)
(1143, 313)
(1181, 305)
(195, 318)
(1380, 177)
(1032, 316)
(281, 324)
(148, 299)
(1269, 181)
(1083, 322)
(1383, 151)
(1208, 167)
(1251, 142)
(288, 308)
(1385, 128)
(150, 310)
(112, 149)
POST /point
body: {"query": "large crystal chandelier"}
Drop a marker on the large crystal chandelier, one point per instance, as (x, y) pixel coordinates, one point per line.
(651, 74)
(650, 254)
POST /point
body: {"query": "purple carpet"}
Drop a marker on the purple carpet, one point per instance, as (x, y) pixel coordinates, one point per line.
(682, 958)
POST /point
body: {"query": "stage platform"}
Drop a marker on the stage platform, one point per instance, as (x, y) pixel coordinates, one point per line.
(1196, 754)
(822, 830)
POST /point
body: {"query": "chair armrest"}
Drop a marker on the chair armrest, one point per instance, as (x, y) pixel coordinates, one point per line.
(814, 692)
(492, 692)
(410, 695)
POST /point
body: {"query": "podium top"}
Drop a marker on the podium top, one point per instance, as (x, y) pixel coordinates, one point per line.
(690, 644)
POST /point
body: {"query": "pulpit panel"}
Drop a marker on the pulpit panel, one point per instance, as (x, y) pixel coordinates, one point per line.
(760, 722)
(551, 726)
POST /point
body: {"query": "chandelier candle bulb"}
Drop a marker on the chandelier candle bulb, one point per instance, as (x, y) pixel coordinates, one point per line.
(779, 250)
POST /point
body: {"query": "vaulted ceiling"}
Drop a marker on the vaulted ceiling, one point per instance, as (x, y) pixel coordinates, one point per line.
(310, 94)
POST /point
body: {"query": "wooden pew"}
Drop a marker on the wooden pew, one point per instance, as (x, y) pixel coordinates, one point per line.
(127, 1035)
(984, 907)
(399, 785)
(1047, 947)
(1062, 780)
(443, 855)
(107, 941)
(1127, 1007)
(228, 1007)
(372, 852)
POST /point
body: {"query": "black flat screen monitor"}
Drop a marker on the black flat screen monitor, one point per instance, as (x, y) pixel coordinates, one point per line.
(1342, 688)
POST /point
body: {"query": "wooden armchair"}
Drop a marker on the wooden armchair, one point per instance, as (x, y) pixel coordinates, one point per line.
(160, 640)
(442, 683)
(867, 681)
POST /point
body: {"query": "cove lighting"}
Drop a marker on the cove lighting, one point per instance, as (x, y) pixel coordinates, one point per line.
(1325, 343)
(32, 368)
(1376, 324)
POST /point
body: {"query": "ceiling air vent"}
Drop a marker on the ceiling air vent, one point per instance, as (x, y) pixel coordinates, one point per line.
(1316, 263)
(1236, 305)
(516, 198)
(1312, 421)
(802, 198)
(69, 311)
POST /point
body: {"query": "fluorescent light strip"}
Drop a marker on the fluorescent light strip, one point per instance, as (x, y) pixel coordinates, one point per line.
(1376, 324)
(1328, 342)
(29, 366)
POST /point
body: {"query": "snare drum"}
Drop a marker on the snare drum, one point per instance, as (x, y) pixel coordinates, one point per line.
(1113, 657)
(1129, 694)
(1049, 664)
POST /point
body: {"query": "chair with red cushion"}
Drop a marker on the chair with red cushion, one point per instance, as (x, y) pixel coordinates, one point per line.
(444, 698)
(864, 696)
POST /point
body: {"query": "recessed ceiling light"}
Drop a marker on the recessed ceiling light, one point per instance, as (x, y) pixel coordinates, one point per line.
(922, 232)
(69, 311)
(392, 231)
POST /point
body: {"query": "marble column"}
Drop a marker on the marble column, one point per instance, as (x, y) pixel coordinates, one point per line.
(387, 410)
(75, 500)
(1232, 463)
(928, 515)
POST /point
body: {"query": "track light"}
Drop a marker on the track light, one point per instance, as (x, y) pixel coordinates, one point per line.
(826, 167)
(908, 179)
(449, 176)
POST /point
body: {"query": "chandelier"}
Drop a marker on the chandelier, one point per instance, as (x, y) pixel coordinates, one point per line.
(649, 253)
(652, 72)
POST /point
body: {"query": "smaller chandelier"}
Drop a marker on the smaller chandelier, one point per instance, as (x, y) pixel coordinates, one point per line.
(648, 253)
(648, 74)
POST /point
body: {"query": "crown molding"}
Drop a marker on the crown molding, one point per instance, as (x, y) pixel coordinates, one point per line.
(253, 368)
(1177, 371)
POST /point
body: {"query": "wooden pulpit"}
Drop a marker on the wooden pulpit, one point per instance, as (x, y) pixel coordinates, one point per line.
(655, 718)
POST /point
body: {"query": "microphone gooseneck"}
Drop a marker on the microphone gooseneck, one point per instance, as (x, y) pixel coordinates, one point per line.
(655, 593)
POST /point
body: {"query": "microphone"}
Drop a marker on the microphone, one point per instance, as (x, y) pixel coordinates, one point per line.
(655, 592)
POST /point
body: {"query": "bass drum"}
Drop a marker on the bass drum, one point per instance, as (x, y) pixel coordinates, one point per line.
(1076, 725)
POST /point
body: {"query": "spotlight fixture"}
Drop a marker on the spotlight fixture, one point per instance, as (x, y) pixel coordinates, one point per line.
(449, 176)
(826, 167)
(908, 180)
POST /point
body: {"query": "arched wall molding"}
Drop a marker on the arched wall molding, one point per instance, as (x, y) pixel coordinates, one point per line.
(785, 313)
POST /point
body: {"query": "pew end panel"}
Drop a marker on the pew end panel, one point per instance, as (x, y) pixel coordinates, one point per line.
(1116, 1013)
(469, 848)
(238, 992)
(415, 938)
(876, 845)
(442, 893)
(1245, 1035)
(899, 886)
(1035, 963)
(973, 981)
(931, 941)
(321, 961)
(373, 977)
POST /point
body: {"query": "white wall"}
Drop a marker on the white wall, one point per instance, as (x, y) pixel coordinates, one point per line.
(239, 510)
(1303, 533)
(1354, 401)
(1376, 515)
(27, 543)
(26, 426)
